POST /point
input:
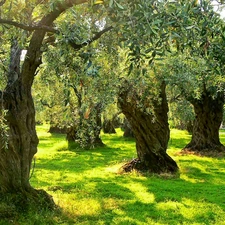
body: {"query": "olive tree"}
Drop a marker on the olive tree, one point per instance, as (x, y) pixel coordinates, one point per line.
(36, 19)
(198, 72)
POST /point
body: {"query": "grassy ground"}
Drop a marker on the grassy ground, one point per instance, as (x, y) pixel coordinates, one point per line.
(88, 189)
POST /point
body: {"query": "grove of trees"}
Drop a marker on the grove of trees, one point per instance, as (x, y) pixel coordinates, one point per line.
(99, 53)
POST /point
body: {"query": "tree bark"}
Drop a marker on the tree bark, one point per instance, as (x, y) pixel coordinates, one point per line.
(151, 131)
(208, 118)
(18, 143)
(16, 157)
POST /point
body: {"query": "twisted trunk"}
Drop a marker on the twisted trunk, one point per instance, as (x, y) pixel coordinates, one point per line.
(151, 131)
(208, 118)
(19, 143)
(15, 161)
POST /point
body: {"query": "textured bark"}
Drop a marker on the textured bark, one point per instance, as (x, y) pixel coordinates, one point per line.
(16, 159)
(15, 162)
(151, 132)
(208, 118)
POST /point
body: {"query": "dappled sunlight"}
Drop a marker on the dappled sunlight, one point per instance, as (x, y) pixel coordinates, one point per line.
(141, 192)
(196, 212)
(200, 210)
(178, 140)
(88, 187)
(112, 204)
(169, 205)
(126, 220)
(188, 179)
(83, 207)
(114, 168)
(202, 169)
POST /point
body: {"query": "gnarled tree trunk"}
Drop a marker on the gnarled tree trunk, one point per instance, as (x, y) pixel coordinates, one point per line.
(208, 118)
(151, 131)
(20, 145)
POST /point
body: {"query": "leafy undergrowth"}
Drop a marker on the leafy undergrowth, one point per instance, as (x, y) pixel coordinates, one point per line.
(88, 189)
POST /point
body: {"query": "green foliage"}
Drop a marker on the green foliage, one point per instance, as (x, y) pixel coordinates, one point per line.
(51, 99)
(87, 75)
(181, 114)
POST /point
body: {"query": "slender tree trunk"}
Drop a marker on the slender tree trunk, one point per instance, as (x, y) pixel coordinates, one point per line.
(98, 121)
(208, 118)
(151, 131)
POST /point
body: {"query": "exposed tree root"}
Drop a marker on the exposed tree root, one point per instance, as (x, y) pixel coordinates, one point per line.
(134, 164)
(138, 165)
(218, 152)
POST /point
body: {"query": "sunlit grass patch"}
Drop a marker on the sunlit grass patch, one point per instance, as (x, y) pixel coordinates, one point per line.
(87, 187)
(178, 140)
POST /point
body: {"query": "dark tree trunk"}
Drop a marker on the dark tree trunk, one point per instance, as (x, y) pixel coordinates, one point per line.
(20, 144)
(208, 118)
(151, 131)
(97, 141)
(57, 129)
(128, 132)
(108, 127)
(71, 134)
(87, 131)
(189, 126)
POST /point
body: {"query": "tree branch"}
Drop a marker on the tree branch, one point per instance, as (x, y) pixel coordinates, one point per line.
(44, 103)
(34, 50)
(43, 25)
(96, 37)
(28, 27)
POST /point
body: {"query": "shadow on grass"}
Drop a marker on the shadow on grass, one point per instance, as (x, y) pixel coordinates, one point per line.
(196, 197)
(74, 159)
(83, 160)
(121, 202)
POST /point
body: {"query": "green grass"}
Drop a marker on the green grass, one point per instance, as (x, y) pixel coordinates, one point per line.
(89, 190)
